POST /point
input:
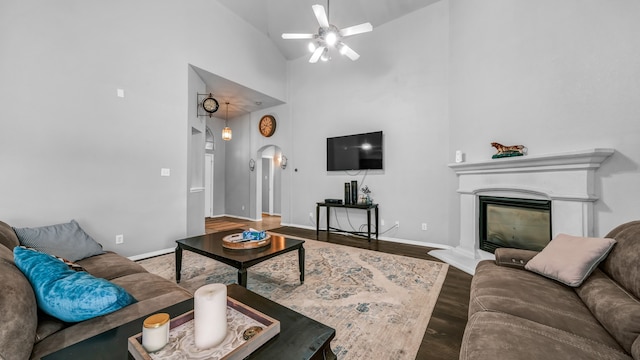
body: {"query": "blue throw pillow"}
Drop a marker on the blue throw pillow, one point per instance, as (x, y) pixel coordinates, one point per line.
(68, 295)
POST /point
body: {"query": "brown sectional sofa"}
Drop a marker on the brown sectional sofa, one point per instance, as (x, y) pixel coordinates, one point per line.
(517, 314)
(26, 332)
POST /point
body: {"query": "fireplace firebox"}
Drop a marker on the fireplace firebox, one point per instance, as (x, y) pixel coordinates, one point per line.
(514, 223)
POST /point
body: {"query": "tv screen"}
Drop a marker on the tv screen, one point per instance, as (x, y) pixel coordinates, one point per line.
(355, 152)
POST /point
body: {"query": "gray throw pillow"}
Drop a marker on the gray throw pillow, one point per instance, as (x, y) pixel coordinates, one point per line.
(570, 259)
(67, 240)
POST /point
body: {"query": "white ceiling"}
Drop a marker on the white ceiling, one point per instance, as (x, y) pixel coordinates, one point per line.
(274, 17)
(242, 100)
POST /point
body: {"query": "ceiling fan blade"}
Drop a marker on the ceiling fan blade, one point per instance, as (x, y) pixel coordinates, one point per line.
(356, 29)
(321, 15)
(289, 36)
(348, 52)
(316, 54)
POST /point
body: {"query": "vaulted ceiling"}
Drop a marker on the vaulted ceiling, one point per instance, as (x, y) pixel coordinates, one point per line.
(274, 17)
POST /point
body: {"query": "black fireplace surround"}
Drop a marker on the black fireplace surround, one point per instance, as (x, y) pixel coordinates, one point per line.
(514, 223)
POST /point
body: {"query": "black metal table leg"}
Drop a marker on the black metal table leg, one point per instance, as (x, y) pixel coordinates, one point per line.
(317, 221)
(369, 224)
(301, 263)
(377, 227)
(178, 262)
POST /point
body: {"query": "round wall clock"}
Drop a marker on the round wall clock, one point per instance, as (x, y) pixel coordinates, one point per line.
(267, 125)
(210, 104)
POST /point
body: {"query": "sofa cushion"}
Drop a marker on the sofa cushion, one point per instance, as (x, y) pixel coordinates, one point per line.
(65, 240)
(570, 259)
(8, 237)
(47, 325)
(491, 335)
(146, 285)
(533, 297)
(86, 329)
(66, 294)
(18, 318)
(616, 309)
(622, 263)
(110, 266)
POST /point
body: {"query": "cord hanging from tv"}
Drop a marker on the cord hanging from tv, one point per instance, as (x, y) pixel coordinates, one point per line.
(355, 152)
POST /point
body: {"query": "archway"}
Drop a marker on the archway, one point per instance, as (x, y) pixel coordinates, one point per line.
(268, 192)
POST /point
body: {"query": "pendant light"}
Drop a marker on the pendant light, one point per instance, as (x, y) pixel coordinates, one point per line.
(226, 132)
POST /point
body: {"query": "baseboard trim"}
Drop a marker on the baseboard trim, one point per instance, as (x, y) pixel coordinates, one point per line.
(151, 254)
(385, 238)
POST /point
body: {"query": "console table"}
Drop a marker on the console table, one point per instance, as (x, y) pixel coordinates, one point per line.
(367, 207)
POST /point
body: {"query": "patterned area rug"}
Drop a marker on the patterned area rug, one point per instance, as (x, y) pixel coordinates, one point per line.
(380, 304)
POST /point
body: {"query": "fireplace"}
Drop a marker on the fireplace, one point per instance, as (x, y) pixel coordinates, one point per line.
(565, 180)
(513, 223)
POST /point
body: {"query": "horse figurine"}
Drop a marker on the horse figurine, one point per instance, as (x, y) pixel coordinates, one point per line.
(506, 151)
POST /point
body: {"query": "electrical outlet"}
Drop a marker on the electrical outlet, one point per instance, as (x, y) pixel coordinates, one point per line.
(119, 239)
(382, 222)
(310, 214)
(397, 224)
(242, 207)
(424, 226)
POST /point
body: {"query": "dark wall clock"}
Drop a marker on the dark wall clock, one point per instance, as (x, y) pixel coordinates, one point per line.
(267, 125)
(210, 105)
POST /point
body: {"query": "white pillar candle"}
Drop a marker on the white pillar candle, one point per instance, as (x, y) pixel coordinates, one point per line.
(210, 315)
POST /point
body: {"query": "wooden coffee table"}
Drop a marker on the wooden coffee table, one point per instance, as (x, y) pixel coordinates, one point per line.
(210, 245)
(300, 337)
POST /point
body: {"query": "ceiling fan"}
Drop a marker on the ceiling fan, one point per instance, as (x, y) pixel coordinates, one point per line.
(329, 37)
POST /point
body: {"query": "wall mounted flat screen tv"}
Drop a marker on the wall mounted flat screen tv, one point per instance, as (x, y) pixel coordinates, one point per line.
(355, 152)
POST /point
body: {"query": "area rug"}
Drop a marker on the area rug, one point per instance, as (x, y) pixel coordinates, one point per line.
(380, 304)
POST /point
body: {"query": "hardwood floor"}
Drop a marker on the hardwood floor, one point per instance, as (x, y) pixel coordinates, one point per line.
(443, 336)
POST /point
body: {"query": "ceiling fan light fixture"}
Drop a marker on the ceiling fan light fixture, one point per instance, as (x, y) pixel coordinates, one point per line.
(331, 38)
(325, 55)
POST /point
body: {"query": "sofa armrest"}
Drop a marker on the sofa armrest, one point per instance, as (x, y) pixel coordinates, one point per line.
(516, 258)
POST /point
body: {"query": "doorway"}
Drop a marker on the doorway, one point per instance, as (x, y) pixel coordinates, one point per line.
(268, 187)
(208, 173)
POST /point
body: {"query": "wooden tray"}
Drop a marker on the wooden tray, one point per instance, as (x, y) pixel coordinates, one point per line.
(181, 340)
(251, 244)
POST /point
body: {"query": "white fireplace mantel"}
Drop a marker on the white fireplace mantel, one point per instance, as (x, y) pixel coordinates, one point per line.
(567, 179)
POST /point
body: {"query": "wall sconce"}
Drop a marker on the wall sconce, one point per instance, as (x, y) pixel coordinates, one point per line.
(252, 164)
(283, 162)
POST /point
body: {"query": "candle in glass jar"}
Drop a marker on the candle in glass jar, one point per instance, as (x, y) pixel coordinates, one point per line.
(210, 315)
(155, 332)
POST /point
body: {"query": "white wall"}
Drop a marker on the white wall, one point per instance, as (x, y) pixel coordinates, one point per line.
(195, 157)
(237, 174)
(555, 76)
(70, 148)
(219, 181)
(399, 86)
